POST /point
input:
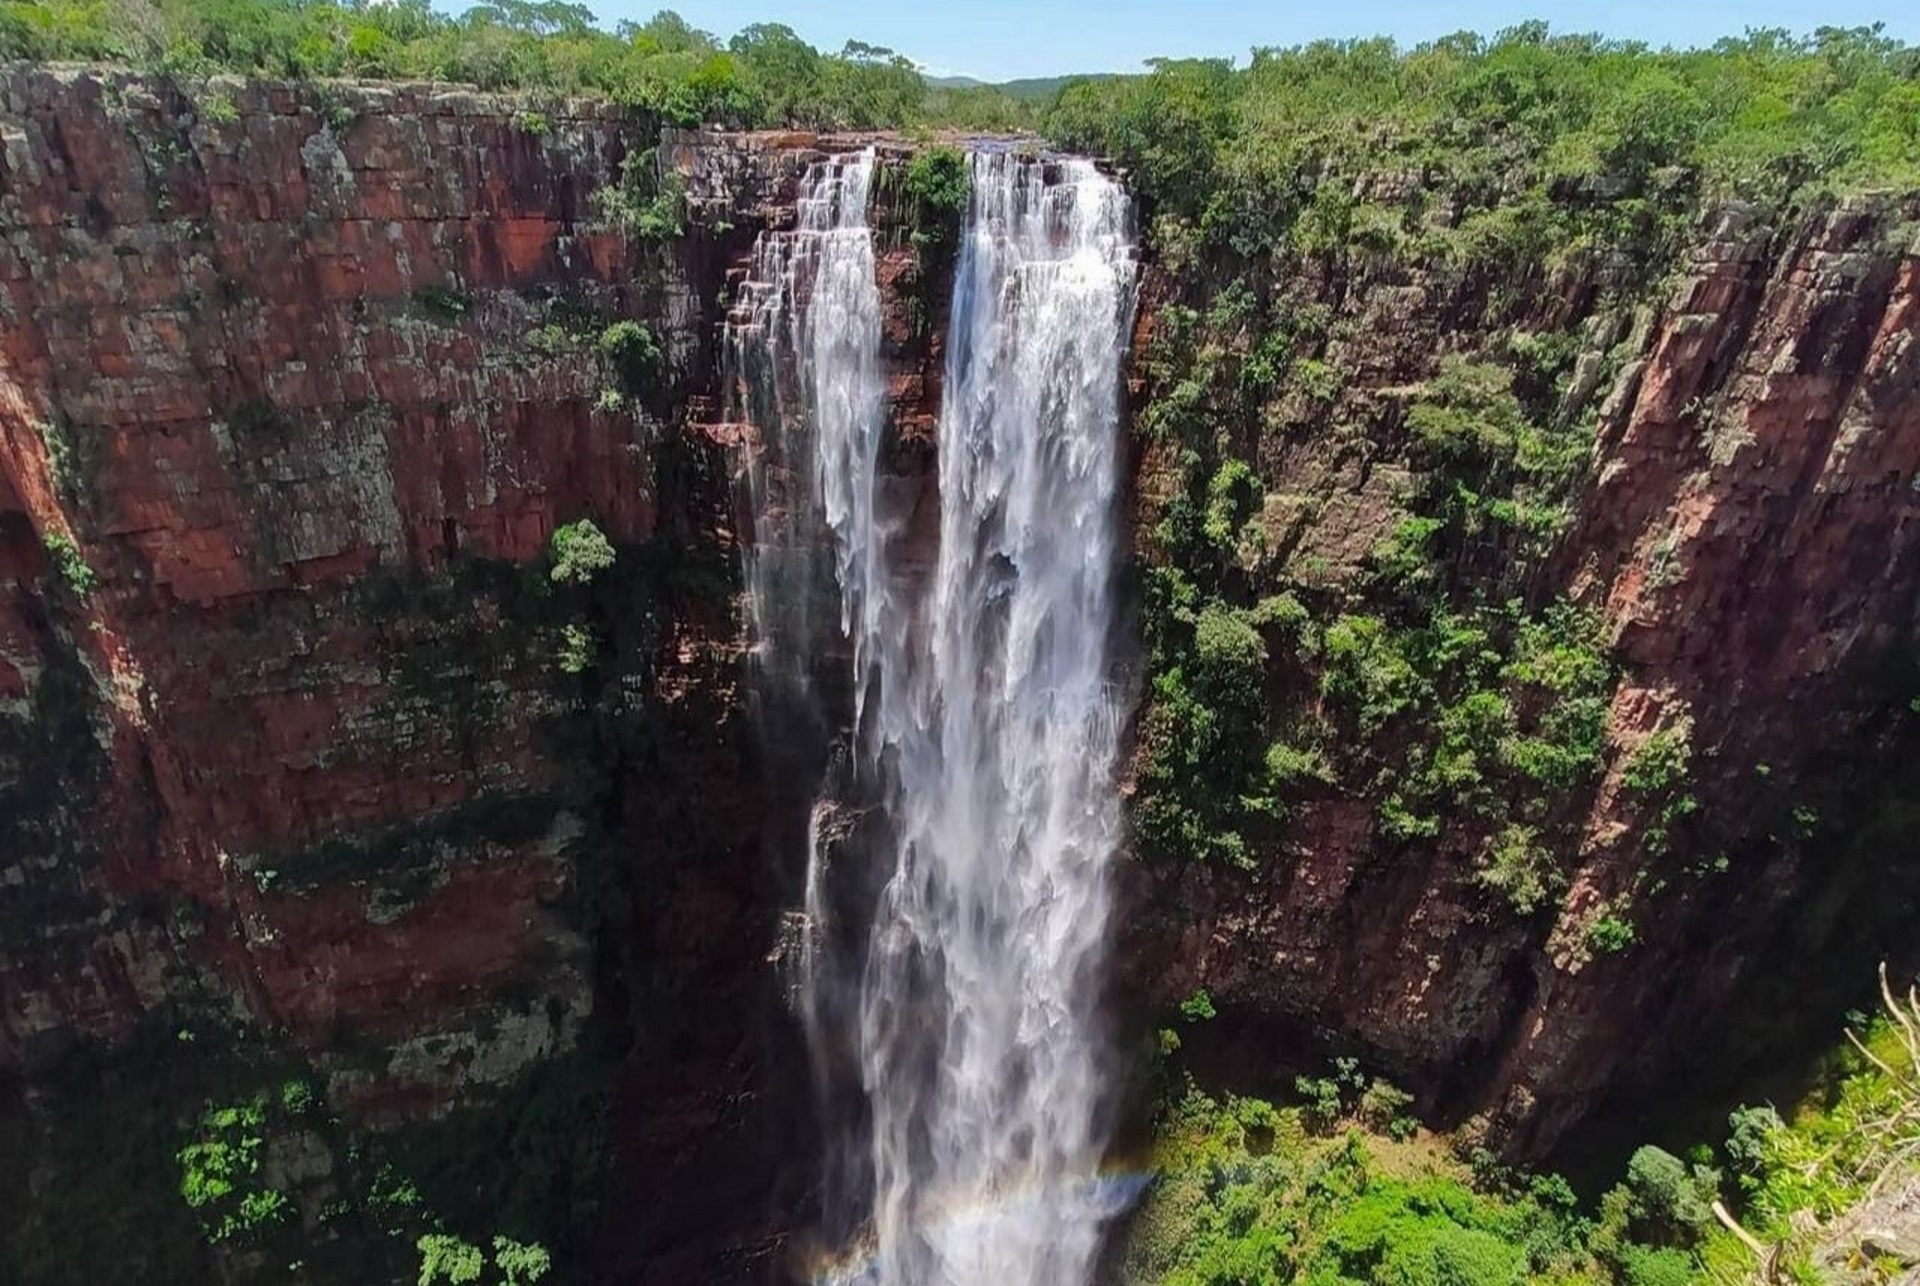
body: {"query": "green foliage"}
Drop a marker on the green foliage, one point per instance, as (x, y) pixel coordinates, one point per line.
(764, 76)
(1246, 1193)
(1655, 1266)
(1558, 669)
(1229, 654)
(934, 192)
(520, 1264)
(936, 181)
(551, 339)
(69, 563)
(219, 109)
(1469, 415)
(1367, 670)
(634, 354)
(1246, 1196)
(1610, 934)
(648, 203)
(577, 552)
(1658, 772)
(442, 303)
(1205, 737)
(1198, 1007)
(576, 650)
(1750, 1131)
(1384, 1107)
(448, 1259)
(1418, 1235)
(1233, 496)
(1515, 866)
(1660, 763)
(1403, 560)
(61, 469)
(297, 1098)
(1549, 144)
(1803, 1175)
(1288, 764)
(1491, 475)
(1665, 1194)
(1430, 681)
(220, 1173)
(1321, 1102)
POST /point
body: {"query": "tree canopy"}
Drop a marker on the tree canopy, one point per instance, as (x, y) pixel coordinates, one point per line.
(764, 76)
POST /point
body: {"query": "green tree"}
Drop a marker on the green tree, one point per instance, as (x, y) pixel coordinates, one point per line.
(578, 552)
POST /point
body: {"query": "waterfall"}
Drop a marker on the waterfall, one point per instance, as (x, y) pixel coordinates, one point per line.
(804, 342)
(986, 723)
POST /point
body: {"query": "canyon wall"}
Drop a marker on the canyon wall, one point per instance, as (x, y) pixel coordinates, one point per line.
(296, 769)
(1745, 535)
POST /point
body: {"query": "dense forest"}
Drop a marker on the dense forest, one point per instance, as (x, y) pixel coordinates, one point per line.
(763, 76)
(1768, 109)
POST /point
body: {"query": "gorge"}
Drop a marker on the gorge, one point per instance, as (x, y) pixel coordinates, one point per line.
(1503, 660)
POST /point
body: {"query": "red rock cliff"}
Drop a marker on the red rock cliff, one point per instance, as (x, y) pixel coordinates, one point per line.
(258, 363)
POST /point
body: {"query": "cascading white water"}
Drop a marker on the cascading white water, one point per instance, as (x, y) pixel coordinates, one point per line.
(805, 343)
(987, 724)
(980, 1044)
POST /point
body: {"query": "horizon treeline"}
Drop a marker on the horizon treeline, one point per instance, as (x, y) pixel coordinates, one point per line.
(763, 76)
(1766, 114)
(1514, 124)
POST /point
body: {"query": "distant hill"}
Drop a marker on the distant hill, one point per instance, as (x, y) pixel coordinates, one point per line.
(1038, 87)
(1032, 89)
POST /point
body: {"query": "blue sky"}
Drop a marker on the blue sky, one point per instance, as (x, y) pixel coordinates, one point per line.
(1002, 39)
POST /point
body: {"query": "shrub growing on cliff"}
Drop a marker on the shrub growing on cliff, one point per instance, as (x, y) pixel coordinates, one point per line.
(1469, 414)
(1658, 771)
(1610, 934)
(448, 1259)
(934, 189)
(454, 1261)
(520, 1263)
(576, 649)
(1366, 670)
(1667, 1198)
(1516, 867)
(648, 203)
(578, 551)
(69, 563)
(634, 355)
(1198, 1007)
(220, 1173)
(219, 109)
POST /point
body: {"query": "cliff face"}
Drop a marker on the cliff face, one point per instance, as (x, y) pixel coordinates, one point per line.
(1745, 532)
(253, 367)
(295, 385)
